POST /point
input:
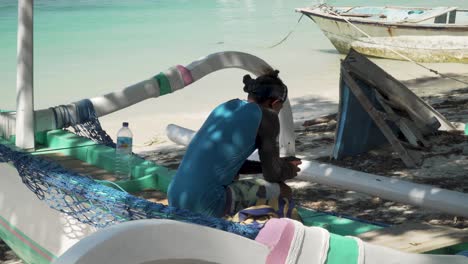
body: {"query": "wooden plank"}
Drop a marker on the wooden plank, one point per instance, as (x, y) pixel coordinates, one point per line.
(80, 167)
(356, 15)
(409, 131)
(84, 168)
(376, 116)
(421, 112)
(55, 156)
(415, 237)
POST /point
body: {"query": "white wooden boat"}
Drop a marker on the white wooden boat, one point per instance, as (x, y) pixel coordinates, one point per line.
(164, 241)
(40, 234)
(418, 48)
(410, 26)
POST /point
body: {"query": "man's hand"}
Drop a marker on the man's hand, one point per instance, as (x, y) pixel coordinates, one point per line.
(295, 162)
(285, 190)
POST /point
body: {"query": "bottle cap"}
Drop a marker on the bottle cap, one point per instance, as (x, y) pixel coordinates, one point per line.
(125, 124)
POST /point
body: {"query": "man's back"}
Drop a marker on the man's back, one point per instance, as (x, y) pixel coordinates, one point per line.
(214, 157)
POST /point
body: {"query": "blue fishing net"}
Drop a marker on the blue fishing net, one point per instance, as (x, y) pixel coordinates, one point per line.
(87, 125)
(93, 203)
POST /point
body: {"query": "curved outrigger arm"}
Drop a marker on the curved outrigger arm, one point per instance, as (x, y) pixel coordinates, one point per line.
(173, 79)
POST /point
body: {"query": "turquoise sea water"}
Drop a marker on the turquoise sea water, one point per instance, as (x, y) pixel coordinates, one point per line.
(85, 48)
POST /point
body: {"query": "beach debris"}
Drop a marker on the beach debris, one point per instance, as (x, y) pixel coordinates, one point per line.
(320, 120)
(376, 109)
(416, 237)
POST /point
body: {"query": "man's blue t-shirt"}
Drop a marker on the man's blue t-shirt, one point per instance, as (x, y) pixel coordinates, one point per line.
(214, 158)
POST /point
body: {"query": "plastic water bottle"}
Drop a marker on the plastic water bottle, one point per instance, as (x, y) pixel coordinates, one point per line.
(123, 152)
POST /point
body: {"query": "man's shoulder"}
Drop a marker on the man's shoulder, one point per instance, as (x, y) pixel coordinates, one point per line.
(270, 121)
(269, 114)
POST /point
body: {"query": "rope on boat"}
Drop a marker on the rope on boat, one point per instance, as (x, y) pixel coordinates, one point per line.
(287, 35)
(391, 49)
(113, 184)
(87, 125)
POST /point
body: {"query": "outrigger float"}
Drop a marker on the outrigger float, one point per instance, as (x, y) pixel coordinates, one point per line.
(58, 202)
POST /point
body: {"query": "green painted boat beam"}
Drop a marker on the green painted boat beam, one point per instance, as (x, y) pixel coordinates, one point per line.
(334, 224)
(147, 175)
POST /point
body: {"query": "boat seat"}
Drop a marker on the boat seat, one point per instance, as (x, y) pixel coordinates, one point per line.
(357, 15)
(163, 241)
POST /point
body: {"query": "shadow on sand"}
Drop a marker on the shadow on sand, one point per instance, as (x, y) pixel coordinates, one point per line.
(309, 107)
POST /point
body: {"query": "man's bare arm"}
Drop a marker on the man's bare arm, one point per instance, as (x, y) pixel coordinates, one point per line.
(274, 168)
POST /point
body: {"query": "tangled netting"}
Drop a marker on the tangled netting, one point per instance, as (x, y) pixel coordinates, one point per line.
(87, 125)
(89, 201)
(98, 205)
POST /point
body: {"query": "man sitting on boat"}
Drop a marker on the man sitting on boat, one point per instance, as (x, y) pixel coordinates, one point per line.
(207, 180)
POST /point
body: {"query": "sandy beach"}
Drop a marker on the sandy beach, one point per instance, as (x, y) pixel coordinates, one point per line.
(7, 256)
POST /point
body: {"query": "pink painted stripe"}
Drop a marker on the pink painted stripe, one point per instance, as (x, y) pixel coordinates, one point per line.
(25, 241)
(186, 75)
(277, 235)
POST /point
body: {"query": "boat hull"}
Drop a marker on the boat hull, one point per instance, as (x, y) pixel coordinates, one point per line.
(279, 241)
(342, 34)
(420, 49)
(35, 232)
(39, 234)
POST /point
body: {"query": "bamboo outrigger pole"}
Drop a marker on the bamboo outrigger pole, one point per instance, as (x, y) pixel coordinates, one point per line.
(422, 195)
(25, 77)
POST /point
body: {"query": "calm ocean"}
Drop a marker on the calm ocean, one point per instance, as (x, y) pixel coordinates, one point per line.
(85, 48)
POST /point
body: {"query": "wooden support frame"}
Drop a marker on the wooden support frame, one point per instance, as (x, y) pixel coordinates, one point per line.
(410, 131)
(409, 158)
(421, 113)
(25, 77)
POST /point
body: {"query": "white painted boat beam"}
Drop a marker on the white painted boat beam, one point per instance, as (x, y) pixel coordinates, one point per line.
(198, 69)
(25, 77)
(179, 135)
(133, 94)
(426, 196)
(287, 137)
